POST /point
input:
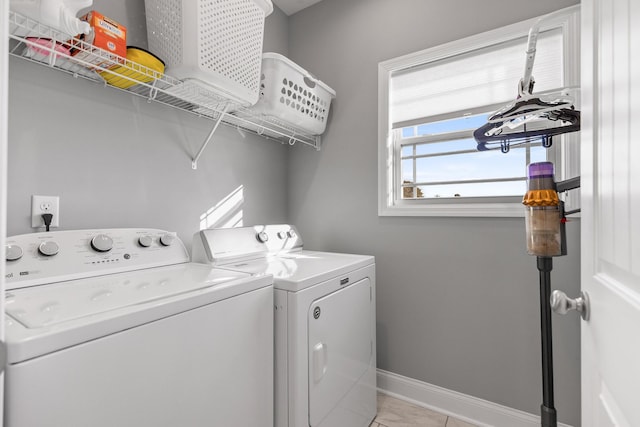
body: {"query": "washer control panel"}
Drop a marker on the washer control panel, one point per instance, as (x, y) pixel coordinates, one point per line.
(47, 257)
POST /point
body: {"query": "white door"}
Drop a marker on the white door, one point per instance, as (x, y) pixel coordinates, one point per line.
(4, 98)
(611, 212)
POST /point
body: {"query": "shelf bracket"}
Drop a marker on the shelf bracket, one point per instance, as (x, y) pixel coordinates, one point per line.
(194, 161)
(52, 53)
(153, 91)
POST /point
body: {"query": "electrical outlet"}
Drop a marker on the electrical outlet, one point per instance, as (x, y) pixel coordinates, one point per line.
(45, 204)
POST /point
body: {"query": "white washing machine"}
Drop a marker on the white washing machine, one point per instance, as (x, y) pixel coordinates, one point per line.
(115, 327)
(325, 335)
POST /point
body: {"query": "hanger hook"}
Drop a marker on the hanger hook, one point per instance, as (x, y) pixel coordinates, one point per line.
(505, 146)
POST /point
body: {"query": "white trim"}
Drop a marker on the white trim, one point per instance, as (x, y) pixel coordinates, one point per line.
(387, 205)
(4, 121)
(458, 405)
(501, 210)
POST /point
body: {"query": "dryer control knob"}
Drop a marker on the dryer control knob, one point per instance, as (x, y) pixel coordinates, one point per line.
(102, 243)
(48, 248)
(291, 234)
(167, 239)
(145, 241)
(262, 237)
(282, 235)
(13, 252)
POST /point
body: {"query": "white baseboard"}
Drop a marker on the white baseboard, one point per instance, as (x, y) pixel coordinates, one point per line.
(464, 407)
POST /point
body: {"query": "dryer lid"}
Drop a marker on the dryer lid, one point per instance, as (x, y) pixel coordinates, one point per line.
(294, 271)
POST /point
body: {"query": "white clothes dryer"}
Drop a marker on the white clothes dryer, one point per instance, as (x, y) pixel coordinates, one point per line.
(325, 335)
(116, 328)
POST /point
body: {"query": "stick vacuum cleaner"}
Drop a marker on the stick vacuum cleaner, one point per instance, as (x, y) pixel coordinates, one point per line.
(545, 220)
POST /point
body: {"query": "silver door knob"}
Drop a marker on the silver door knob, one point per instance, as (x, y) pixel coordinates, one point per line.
(562, 304)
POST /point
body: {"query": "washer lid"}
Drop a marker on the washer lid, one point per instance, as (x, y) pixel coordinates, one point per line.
(294, 271)
(46, 318)
(53, 304)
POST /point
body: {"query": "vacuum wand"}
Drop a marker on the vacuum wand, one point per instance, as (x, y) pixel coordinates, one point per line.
(548, 414)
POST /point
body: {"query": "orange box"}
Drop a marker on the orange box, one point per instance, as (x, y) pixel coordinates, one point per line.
(107, 35)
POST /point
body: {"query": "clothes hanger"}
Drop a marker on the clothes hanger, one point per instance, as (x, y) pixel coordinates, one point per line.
(530, 118)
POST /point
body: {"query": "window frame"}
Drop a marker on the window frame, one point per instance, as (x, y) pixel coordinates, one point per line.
(564, 153)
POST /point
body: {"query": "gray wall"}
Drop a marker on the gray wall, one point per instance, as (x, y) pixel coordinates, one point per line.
(457, 298)
(458, 302)
(117, 161)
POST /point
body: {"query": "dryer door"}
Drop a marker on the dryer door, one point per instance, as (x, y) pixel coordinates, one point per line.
(340, 346)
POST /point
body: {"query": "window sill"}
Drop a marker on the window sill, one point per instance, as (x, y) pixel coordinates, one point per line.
(498, 210)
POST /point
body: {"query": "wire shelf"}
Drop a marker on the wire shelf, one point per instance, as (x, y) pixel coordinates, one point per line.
(46, 46)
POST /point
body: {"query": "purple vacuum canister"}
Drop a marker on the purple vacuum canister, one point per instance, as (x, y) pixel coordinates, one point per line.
(542, 212)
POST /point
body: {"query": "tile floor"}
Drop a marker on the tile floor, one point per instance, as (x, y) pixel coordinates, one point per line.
(394, 412)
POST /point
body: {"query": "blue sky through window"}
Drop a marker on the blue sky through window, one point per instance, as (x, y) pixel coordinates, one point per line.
(473, 165)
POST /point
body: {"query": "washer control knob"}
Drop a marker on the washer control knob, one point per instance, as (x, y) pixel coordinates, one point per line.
(13, 252)
(167, 239)
(262, 237)
(291, 234)
(48, 248)
(102, 243)
(282, 235)
(145, 241)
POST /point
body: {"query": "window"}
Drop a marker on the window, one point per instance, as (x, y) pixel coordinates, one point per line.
(433, 100)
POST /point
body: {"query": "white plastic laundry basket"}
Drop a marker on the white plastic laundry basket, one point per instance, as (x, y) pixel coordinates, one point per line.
(292, 95)
(214, 42)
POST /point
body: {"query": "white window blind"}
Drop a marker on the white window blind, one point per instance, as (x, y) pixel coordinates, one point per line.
(475, 79)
